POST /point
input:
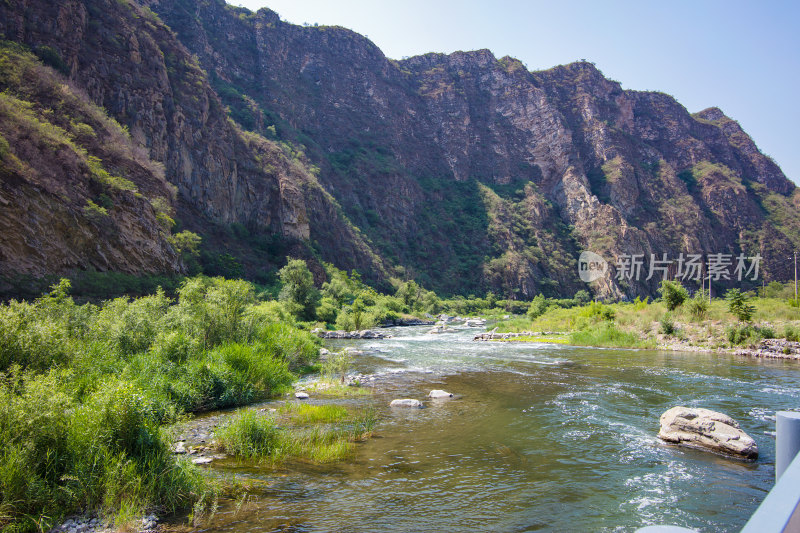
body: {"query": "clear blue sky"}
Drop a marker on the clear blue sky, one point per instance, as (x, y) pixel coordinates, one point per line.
(743, 57)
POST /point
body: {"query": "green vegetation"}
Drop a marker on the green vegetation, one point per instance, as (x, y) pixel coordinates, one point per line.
(698, 306)
(643, 324)
(320, 433)
(84, 390)
(738, 306)
(298, 293)
(608, 335)
(673, 294)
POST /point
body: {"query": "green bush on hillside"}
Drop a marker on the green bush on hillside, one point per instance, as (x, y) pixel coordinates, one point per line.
(738, 306)
(673, 294)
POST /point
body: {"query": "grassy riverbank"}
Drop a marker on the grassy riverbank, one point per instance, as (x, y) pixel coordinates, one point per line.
(694, 324)
(86, 389)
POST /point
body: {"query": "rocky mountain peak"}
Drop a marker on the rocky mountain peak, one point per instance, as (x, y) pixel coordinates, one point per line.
(466, 172)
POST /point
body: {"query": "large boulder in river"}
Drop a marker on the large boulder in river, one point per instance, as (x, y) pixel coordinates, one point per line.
(706, 429)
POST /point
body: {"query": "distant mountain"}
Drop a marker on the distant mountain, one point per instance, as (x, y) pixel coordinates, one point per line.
(465, 172)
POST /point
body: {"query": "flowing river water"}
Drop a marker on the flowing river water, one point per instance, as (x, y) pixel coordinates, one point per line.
(540, 437)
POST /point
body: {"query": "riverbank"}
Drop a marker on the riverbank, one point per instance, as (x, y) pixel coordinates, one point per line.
(690, 327)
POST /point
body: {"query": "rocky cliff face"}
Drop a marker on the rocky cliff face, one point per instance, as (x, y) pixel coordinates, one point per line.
(64, 202)
(401, 144)
(467, 172)
(129, 63)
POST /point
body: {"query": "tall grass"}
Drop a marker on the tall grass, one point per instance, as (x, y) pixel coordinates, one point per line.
(314, 414)
(319, 433)
(608, 335)
(84, 390)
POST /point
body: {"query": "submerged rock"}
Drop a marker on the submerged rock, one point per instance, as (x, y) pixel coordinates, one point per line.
(706, 429)
(439, 328)
(406, 402)
(363, 334)
(438, 394)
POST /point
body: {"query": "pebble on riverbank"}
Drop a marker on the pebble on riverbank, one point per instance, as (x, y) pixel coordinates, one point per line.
(495, 336)
(773, 348)
(92, 524)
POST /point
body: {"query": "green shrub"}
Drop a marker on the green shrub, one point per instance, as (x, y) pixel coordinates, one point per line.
(327, 310)
(582, 297)
(92, 211)
(748, 334)
(698, 306)
(597, 310)
(296, 347)
(61, 457)
(267, 374)
(791, 333)
(741, 334)
(608, 335)
(738, 306)
(184, 242)
(299, 293)
(538, 307)
(667, 325)
(673, 294)
(336, 364)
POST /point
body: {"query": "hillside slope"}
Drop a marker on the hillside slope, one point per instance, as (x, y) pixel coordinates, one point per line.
(465, 172)
(130, 64)
(472, 171)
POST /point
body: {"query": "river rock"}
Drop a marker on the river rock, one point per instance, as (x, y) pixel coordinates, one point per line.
(438, 394)
(301, 395)
(179, 448)
(406, 402)
(363, 334)
(706, 429)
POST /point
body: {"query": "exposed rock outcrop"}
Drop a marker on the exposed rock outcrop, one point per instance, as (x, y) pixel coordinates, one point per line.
(468, 170)
(129, 63)
(708, 430)
(549, 162)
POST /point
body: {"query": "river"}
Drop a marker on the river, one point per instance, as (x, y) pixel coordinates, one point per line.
(540, 437)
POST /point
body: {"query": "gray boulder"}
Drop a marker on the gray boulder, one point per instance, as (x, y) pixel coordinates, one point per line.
(406, 402)
(708, 430)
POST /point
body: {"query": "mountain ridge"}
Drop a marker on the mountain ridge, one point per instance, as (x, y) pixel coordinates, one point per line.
(466, 172)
